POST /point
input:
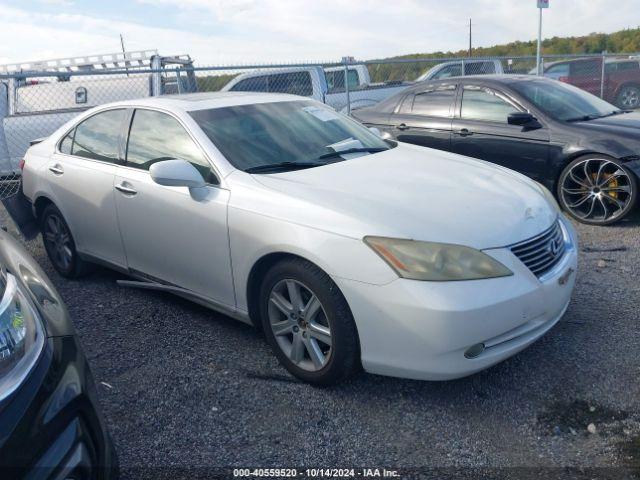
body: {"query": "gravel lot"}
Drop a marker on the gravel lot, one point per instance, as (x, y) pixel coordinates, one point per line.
(190, 389)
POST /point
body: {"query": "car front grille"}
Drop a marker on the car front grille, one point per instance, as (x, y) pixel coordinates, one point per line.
(542, 252)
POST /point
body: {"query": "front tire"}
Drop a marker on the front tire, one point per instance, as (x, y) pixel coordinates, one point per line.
(60, 245)
(597, 190)
(308, 323)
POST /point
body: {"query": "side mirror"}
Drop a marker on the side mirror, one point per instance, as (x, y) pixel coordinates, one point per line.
(522, 119)
(176, 173)
(382, 135)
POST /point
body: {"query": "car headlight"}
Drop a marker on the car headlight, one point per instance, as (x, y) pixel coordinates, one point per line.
(21, 335)
(549, 196)
(436, 262)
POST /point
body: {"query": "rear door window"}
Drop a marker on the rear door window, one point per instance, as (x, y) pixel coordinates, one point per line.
(97, 138)
(435, 102)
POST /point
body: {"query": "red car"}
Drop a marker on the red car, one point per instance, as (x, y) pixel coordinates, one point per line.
(621, 78)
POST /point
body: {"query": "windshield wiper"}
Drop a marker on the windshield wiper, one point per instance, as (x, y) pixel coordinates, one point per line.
(283, 167)
(339, 153)
(583, 118)
(586, 118)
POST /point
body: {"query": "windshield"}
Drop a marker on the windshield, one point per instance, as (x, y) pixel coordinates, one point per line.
(296, 132)
(563, 102)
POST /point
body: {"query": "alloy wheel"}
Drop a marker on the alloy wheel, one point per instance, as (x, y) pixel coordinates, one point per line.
(596, 190)
(629, 97)
(300, 325)
(58, 241)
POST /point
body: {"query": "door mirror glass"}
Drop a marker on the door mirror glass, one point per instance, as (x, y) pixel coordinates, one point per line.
(176, 173)
(521, 119)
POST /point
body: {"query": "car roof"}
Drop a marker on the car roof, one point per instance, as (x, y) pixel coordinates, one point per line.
(204, 101)
(497, 79)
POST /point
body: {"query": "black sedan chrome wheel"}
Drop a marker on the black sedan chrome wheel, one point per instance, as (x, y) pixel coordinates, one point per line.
(597, 190)
(59, 244)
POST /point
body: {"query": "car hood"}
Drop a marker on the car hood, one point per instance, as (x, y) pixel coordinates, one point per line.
(411, 192)
(627, 122)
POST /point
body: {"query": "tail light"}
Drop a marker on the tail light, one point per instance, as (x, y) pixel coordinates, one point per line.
(564, 79)
(21, 164)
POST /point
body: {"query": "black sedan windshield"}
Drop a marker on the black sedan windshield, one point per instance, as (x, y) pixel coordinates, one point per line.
(563, 102)
(285, 135)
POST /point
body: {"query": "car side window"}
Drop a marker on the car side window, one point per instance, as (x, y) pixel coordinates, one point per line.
(156, 136)
(559, 70)
(435, 102)
(479, 68)
(586, 68)
(97, 137)
(296, 83)
(67, 143)
(254, 84)
(449, 71)
(483, 104)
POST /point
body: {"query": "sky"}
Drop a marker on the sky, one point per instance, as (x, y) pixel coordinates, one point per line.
(227, 32)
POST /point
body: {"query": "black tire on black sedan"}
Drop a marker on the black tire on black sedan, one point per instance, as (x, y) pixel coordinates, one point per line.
(308, 323)
(597, 190)
(60, 245)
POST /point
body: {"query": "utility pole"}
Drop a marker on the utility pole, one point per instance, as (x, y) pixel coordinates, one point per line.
(469, 37)
(541, 4)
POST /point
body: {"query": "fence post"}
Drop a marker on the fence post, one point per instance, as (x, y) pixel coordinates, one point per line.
(346, 61)
(463, 69)
(602, 71)
(540, 67)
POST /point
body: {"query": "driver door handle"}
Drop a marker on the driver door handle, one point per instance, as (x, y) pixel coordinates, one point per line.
(56, 169)
(122, 187)
(402, 126)
(464, 132)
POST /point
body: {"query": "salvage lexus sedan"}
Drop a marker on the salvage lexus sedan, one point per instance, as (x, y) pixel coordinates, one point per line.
(347, 250)
(50, 424)
(579, 146)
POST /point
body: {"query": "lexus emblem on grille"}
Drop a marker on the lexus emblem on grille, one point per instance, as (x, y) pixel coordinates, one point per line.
(554, 246)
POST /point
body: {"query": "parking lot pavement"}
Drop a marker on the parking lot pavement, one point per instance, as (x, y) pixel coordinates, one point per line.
(184, 387)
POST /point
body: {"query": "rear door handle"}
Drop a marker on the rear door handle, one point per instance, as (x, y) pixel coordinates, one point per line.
(122, 187)
(464, 132)
(402, 126)
(56, 169)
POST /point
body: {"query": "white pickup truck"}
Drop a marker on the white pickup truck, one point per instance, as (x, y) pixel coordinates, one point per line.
(38, 97)
(326, 85)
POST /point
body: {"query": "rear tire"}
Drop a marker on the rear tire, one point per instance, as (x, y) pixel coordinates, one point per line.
(629, 97)
(60, 245)
(308, 323)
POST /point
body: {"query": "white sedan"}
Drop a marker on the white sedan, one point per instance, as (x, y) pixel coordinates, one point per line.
(349, 251)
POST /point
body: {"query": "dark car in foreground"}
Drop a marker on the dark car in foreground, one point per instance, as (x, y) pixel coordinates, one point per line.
(50, 426)
(582, 148)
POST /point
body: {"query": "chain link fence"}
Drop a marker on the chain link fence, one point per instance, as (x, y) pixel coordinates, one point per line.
(36, 100)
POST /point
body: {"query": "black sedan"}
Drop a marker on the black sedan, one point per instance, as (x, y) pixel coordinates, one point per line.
(582, 148)
(50, 426)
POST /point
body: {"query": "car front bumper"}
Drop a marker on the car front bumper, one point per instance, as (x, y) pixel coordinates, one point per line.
(421, 330)
(50, 427)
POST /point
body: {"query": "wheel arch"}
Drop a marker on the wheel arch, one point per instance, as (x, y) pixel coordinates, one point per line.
(256, 275)
(41, 202)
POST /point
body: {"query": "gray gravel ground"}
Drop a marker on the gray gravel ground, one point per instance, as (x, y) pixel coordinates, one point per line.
(193, 390)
